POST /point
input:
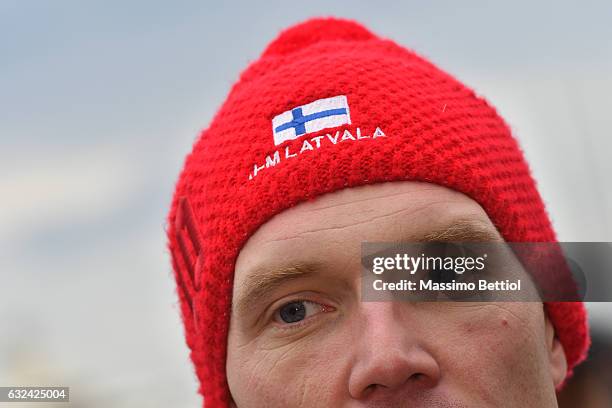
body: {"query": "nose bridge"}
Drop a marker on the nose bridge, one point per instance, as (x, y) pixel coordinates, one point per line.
(389, 353)
(384, 324)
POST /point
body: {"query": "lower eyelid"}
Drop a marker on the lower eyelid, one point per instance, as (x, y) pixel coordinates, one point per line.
(290, 327)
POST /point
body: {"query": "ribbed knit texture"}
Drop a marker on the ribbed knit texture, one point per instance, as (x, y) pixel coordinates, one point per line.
(437, 130)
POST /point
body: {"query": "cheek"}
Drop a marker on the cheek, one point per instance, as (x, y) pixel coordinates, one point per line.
(496, 350)
(294, 375)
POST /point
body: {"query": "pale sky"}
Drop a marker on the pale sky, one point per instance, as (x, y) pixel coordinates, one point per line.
(101, 100)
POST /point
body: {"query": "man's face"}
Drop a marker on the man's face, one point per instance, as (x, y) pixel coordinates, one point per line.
(300, 336)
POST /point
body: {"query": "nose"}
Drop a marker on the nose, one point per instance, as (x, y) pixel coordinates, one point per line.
(390, 358)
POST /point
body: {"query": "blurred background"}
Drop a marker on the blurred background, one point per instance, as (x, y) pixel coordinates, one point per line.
(101, 100)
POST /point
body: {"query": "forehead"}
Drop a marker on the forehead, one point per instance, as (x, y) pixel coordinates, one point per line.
(332, 226)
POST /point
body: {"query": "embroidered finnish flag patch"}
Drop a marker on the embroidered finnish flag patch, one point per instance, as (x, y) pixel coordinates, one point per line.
(312, 117)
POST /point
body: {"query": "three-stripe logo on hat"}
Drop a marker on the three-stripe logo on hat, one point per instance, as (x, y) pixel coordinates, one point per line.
(312, 117)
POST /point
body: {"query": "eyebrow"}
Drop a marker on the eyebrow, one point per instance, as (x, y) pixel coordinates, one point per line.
(468, 230)
(262, 280)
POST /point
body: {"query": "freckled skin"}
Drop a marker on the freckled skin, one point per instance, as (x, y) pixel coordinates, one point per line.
(381, 354)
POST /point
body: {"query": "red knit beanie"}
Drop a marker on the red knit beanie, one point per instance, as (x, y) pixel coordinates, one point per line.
(330, 105)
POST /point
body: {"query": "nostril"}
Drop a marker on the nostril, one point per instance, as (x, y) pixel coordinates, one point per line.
(369, 389)
(416, 377)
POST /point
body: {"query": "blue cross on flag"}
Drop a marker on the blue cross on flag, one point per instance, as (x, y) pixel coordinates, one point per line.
(312, 117)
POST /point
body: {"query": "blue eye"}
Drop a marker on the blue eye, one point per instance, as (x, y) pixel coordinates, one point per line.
(297, 310)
